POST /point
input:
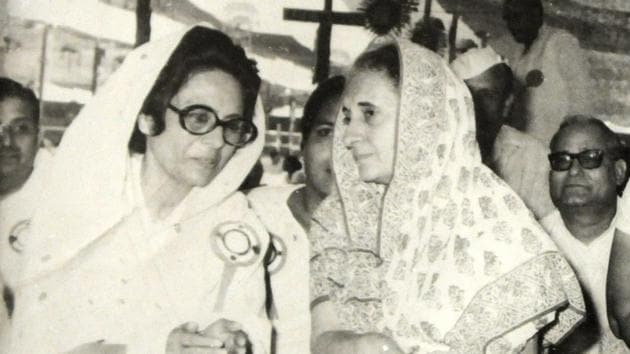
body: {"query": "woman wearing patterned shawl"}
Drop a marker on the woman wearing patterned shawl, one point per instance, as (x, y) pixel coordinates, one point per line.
(141, 236)
(422, 249)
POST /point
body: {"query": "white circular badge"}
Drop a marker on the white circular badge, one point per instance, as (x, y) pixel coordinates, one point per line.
(236, 243)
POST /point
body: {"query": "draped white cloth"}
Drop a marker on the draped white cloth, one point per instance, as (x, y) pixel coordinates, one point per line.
(446, 258)
(288, 268)
(96, 269)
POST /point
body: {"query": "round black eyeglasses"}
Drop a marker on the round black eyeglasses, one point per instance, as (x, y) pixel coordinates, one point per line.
(199, 120)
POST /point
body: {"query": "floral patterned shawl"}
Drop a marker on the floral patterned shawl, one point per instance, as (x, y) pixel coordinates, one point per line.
(447, 258)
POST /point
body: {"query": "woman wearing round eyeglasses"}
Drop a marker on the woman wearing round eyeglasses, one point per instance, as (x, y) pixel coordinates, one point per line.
(141, 241)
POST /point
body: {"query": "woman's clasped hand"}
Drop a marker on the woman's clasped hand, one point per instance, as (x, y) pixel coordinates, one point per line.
(222, 336)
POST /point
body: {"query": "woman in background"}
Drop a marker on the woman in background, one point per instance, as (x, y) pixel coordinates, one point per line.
(286, 212)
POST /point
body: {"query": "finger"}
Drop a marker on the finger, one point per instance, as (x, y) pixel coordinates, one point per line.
(190, 327)
(240, 339)
(198, 340)
(233, 326)
(197, 350)
(221, 328)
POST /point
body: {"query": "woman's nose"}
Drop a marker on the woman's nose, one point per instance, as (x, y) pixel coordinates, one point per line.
(352, 134)
(214, 138)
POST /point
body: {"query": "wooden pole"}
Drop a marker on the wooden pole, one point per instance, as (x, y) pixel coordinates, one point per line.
(427, 8)
(98, 56)
(452, 38)
(42, 72)
(143, 22)
(324, 33)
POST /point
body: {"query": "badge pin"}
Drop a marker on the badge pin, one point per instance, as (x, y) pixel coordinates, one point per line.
(14, 235)
(236, 243)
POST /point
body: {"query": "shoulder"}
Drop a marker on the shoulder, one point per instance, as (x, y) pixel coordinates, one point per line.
(272, 194)
(562, 40)
(512, 137)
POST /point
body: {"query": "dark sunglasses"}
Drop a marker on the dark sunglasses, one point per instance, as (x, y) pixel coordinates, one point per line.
(588, 159)
(199, 120)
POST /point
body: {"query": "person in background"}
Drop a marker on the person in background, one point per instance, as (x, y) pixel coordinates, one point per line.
(513, 155)
(618, 287)
(421, 248)
(431, 34)
(552, 71)
(291, 165)
(140, 242)
(20, 182)
(586, 170)
(273, 172)
(286, 211)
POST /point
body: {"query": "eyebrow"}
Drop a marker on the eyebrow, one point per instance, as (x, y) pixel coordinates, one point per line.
(366, 104)
(232, 116)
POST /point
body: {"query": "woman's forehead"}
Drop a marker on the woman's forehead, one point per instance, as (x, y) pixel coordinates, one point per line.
(369, 83)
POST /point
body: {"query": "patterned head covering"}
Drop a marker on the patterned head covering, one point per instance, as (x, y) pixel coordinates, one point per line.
(446, 258)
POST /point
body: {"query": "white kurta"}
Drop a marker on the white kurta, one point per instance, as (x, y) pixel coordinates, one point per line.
(289, 269)
(590, 262)
(565, 88)
(16, 210)
(142, 278)
(521, 161)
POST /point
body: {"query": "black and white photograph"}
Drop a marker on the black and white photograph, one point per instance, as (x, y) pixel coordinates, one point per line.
(314, 176)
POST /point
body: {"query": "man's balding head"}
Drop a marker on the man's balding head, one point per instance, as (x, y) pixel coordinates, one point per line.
(591, 180)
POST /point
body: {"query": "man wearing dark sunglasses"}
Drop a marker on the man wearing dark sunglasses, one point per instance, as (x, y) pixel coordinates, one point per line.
(586, 169)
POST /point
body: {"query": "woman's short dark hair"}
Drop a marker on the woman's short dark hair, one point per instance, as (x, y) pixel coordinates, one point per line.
(328, 89)
(200, 49)
(13, 89)
(385, 58)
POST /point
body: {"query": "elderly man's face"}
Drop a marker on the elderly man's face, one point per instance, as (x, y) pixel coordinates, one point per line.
(579, 186)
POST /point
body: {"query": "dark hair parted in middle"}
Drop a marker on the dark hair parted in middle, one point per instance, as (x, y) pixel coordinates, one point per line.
(385, 58)
(200, 49)
(327, 90)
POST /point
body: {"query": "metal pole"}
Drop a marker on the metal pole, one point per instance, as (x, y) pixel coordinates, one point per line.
(42, 71)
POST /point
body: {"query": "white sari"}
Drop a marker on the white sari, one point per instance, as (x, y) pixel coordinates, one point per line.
(446, 259)
(97, 269)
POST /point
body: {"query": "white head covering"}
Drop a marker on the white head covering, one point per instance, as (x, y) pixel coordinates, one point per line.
(474, 62)
(85, 193)
(88, 253)
(446, 257)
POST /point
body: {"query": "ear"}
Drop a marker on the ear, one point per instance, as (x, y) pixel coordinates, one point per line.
(621, 168)
(146, 124)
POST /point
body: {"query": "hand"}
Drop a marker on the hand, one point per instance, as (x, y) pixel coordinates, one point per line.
(99, 347)
(344, 342)
(376, 343)
(231, 334)
(186, 339)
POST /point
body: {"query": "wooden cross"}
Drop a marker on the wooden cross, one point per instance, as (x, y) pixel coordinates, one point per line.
(326, 19)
